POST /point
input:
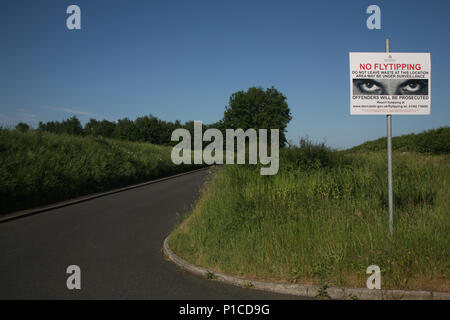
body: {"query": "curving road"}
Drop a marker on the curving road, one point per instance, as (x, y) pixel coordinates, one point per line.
(116, 240)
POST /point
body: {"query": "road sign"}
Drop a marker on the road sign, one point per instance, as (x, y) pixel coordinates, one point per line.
(390, 83)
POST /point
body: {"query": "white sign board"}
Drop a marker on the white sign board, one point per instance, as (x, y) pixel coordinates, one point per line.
(390, 83)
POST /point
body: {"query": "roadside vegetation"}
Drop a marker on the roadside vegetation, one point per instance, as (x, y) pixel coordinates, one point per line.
(434, 141)
(39, 168)
(323, 219)
(60, 160)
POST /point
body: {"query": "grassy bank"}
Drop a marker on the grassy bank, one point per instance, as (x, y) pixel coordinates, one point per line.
(434, 141)
(42, 168)
(323, 219)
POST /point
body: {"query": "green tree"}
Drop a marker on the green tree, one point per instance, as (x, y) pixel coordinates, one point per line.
(51, 126)
(149, 128)
(72, 126)
(23, 127)
(102, 128)
(91, 128)
(126, 130)
(258, 109)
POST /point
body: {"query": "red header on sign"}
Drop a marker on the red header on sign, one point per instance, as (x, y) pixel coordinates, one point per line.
(389, 66)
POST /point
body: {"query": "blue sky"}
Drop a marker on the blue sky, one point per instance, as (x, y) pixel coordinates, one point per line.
(183, 59)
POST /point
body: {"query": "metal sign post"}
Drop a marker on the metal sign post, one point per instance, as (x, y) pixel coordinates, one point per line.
(389, 156)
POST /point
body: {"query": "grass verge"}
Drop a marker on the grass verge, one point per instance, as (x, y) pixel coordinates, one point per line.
(42, 168)
(323, 219)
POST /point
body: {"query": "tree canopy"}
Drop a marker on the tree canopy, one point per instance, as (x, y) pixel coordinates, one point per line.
(21, 126)
(255, 108)
(258, 109)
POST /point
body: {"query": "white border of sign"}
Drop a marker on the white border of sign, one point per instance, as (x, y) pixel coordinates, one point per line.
(384, 83)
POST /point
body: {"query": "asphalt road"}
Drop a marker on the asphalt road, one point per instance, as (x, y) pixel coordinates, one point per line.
(116, 240)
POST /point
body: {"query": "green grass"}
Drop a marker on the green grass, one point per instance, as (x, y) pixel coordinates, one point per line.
(434, 141)
(41, 168)
(323, 219)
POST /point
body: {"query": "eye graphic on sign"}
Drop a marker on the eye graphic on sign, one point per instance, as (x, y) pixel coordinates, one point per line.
(370, 87)
(413, 87)
(390, 87)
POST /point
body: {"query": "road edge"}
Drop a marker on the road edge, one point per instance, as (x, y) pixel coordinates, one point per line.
(311, 291)
(30, 212)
